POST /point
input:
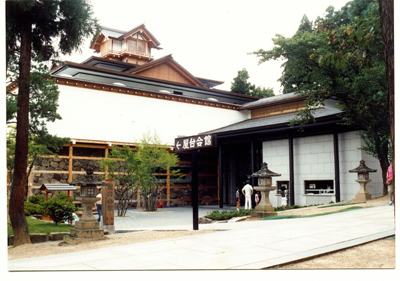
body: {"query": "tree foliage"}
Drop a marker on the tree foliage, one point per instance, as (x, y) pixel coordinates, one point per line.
(43, 105)
(240, 85)
(340, 58)
(142, 169)
(37, 30)
(57, 27)
(59, 209)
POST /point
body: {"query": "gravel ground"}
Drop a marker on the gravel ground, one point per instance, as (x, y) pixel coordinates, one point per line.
(377, 254)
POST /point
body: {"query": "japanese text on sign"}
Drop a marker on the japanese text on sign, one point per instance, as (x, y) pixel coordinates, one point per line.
(194, 142)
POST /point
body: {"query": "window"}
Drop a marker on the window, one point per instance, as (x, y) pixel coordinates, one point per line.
(137, 46)
(283, 187)
(317, 187)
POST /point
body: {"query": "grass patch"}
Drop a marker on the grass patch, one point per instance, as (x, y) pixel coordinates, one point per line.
(285, 208)
(281, 217)
(336, 205)
(339, 211)
(38, 226)
(310, 216)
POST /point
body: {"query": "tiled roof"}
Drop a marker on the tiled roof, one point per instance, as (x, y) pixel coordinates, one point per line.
(272, 100)
(281, 120)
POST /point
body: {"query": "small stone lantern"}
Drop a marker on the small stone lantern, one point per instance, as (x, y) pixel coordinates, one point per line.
(87, 228)
(362, 178)
(264, 208)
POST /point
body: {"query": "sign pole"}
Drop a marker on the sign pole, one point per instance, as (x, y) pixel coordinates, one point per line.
(194, 143)
(195, 190)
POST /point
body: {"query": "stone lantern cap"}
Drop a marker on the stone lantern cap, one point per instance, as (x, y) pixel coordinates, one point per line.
(362, 169)
(264, 172)
(89, 179)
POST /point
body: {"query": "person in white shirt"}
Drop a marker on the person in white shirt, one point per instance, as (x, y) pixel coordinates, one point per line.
(247, 190)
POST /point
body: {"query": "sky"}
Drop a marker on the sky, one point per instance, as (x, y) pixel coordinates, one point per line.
(212, 39)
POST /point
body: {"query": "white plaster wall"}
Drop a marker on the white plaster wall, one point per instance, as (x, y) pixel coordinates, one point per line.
(350, 156)
(276, 155)
(314, 160)
(100, 115)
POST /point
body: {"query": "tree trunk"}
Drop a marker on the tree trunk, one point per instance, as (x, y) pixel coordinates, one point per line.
(151, 202)
(386, 11)
(16, 211)
(384, 163)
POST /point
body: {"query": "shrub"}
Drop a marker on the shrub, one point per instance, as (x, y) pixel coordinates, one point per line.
(226, 215)
(59, 210)
(33, 209)
(37, 199)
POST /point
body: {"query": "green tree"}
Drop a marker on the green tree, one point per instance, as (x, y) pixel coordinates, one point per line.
(43, 105)
(346, 64)
(143, 169)
(59, 209)
(121, 165)
(386, 12)
(262, 92)
(240, 85)
(31, 28)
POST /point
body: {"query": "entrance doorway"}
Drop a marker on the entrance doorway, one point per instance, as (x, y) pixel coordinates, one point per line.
(237, 167)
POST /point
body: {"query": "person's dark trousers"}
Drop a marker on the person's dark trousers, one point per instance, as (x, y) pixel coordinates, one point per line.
(99, 212)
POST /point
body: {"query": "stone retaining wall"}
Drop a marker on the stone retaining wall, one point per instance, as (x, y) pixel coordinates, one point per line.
(41, 237)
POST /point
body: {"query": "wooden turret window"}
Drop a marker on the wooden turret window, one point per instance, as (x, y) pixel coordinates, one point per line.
(137, 46)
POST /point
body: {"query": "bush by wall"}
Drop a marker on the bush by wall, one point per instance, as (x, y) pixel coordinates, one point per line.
(37, 199)
(59, 209)
(33, 209)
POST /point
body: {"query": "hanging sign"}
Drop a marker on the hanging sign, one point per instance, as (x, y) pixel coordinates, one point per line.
(195, 142)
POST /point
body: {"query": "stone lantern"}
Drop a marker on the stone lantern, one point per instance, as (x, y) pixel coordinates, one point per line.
(264, 208)
(87, 228)
(362, 178)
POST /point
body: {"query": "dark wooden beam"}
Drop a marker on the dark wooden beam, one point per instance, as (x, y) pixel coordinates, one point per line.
(337, 167)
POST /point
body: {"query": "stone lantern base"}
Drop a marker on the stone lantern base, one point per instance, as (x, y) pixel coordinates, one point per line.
(264, 208)
(87, 228)
(262, 214)
(78, 236)
(363, 195)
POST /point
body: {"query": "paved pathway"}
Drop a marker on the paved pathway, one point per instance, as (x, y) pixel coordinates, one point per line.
(166, 217)
(245, 245)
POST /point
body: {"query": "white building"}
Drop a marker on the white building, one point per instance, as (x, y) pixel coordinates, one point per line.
(116, 97)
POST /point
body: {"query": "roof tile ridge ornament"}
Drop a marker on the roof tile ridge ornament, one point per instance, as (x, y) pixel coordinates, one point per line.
(362, 168)
(264, 172)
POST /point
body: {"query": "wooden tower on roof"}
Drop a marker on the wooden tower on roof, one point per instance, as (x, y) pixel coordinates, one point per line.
(134, 46)
(133, 49)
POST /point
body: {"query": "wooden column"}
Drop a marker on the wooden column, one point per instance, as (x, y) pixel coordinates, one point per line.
(220, 189)
(168, 186)
(106, 168)
(252, 162)
(291, 171)
(70, 162)
(138, 198)
(218, 177)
